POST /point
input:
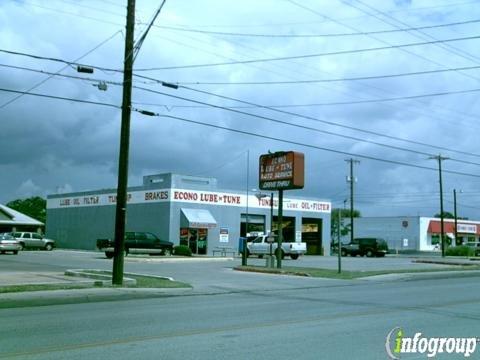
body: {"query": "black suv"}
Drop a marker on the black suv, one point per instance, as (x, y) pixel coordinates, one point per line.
(365, 246)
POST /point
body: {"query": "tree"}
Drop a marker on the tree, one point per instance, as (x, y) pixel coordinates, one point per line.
(446, 215)
(35, 207)
(346, 227)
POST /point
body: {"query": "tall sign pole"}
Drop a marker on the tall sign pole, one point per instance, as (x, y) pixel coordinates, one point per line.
(283, 170)
(121, 207)
(280, 229)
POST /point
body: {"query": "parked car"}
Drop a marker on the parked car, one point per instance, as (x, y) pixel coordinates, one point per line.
(33, 240)
(365, 247)
(137, 242)
(8, 243)
(261, 246)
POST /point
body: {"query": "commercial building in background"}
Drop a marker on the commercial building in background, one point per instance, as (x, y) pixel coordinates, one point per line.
(185, 210)
(12, 220)
(417, 232)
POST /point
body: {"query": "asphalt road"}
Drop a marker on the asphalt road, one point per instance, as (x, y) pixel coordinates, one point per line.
(232, 315)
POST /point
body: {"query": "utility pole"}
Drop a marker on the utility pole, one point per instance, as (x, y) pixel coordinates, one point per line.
(440, 158)
(121, 207)
(351, 179)
(455, 213)
(339, 236)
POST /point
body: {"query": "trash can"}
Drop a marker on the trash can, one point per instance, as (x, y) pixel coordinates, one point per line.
(241, 242)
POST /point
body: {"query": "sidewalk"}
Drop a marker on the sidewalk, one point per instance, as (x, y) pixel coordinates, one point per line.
(70, 296)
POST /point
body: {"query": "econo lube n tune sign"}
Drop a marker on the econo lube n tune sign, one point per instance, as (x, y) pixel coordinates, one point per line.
(281, 171)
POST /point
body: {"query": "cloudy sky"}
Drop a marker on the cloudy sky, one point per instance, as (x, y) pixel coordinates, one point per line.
(387, 82)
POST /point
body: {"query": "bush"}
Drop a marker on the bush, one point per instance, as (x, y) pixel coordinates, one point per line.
(182, 250)
(460, 251)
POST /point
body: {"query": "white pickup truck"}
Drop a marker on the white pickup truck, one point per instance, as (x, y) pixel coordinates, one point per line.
(260, 246)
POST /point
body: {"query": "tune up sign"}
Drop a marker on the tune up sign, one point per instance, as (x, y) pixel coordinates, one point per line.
(281, 171)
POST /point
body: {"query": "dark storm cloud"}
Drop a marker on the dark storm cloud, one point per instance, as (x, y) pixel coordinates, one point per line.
(54, 146)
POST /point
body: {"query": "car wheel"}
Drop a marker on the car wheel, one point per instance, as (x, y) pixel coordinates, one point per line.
(49, 247)
(15, 252)
(22, 246)
(260, 256)
(294, 256)
(369, 253)
(109, 254)
(167, 252)
(248, 253)
(2, 252)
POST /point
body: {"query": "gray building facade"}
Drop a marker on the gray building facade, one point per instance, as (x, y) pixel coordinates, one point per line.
(186, 210)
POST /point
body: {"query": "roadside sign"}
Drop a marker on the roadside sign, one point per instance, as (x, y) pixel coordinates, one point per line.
(281, 171)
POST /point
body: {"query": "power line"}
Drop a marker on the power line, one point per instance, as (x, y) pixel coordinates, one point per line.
(359, 78)
(69, 63)
(312, 146)
(405, 50)
(306, 56)
(60, 98)
(62, 75)
(321, 120)
(447, 47)
(274, 109)
(355, 102)
(297, 125)
(236, 34)
(63, 68)
(242, 132)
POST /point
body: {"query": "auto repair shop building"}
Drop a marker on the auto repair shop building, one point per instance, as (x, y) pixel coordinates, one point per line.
(185, 210)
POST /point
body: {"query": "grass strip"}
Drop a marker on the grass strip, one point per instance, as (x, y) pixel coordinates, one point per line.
(42, 287)
(345, 274)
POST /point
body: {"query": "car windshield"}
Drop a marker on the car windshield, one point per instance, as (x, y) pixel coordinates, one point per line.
(6, 236)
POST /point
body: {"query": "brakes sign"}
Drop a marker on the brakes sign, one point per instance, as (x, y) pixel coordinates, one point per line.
(281, 171)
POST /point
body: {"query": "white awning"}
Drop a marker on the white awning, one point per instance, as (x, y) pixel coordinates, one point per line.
(197, 218)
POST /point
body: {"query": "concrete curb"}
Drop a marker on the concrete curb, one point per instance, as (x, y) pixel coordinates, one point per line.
(99, 279)
(175, 259)
(77, 296)
(453, 262)
(432, 275)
